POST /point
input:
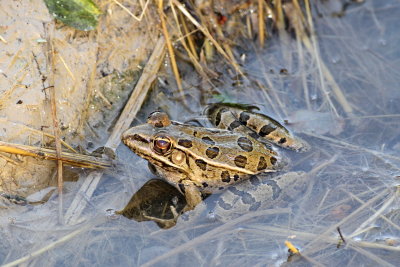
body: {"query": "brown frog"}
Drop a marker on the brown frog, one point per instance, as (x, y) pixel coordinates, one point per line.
(200, 161)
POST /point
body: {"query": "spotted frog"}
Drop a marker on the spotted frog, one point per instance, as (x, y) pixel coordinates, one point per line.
(199, 160)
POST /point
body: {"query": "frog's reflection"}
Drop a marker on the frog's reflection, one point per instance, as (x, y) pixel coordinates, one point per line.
(156, 201)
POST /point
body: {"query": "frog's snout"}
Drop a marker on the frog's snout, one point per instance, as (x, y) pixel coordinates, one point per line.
(131, 135)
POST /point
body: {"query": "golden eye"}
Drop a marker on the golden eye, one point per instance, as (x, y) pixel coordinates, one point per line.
(162, 144)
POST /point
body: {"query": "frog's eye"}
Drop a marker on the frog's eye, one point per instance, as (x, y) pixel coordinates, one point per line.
(162, 144)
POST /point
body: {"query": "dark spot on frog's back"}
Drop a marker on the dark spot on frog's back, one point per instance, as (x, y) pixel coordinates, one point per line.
(201, 163)
(212, 152)
(225, 177)
(244, 117)
(240, 161)
(185, 143)
(204, 184)
(236, 177)
(245, 144)
(273, 160)
(234, 125)
(254, 135)
(208, 140)
(262, 164)
(266, 130)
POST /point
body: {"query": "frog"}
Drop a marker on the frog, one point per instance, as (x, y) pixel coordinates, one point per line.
(200, 161)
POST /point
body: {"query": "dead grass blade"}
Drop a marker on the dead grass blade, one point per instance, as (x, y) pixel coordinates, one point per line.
(170, 47)
(190, 48)
(324, 72)
(144, 8)
(261, 26)
(56, 129)
(188, 35)
(38, 132)
(205, 31)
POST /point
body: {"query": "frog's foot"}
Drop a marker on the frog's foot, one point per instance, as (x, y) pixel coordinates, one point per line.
(164, 223)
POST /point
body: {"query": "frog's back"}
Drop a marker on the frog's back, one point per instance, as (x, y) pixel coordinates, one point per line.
(225, 149)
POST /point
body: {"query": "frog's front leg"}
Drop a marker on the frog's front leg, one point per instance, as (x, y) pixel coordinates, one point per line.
(192, 194)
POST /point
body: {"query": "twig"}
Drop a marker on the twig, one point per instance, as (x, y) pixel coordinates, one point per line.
(73, 159)
(57, 132)
(128, 114)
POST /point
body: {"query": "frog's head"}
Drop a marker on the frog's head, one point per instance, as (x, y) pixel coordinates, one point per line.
(153, 140)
